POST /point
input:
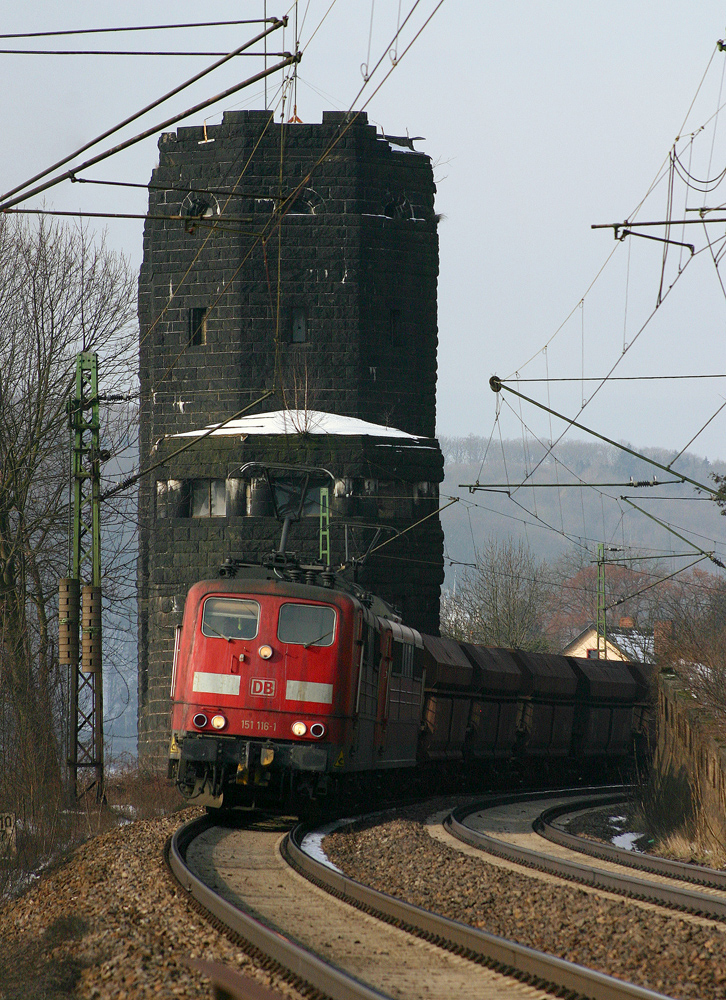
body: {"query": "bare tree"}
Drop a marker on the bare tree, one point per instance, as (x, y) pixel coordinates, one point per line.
(502, 602)
(696, 649)
(60, 293)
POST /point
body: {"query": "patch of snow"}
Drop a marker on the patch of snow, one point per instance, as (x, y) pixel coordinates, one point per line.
(626, 841)
(421, 447)
(125, 811)
(311, 421)
(312, 842)
(395, 148)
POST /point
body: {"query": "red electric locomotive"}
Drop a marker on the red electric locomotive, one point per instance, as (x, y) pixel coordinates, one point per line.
(287, 691)
(281, 688)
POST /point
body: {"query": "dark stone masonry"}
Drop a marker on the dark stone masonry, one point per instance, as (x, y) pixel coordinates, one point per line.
(334, 309)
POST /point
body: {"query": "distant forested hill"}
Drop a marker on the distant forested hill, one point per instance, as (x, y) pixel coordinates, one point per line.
(543, 517)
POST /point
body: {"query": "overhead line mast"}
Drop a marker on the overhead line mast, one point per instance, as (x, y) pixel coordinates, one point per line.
(85, 742)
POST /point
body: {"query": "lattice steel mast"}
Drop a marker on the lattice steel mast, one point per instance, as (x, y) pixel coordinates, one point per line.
(84, 577)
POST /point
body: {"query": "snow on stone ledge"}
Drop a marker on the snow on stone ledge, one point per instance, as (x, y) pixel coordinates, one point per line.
(301, 422)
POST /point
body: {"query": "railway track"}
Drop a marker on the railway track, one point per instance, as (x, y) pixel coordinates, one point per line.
(346, 941)
(513, 827)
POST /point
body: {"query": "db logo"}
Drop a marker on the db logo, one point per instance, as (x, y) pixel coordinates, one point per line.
(262, 688)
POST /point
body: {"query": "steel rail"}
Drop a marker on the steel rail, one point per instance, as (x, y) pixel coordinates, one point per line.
(686, 900)
(508, 957)
(697, 874)
(294, 959)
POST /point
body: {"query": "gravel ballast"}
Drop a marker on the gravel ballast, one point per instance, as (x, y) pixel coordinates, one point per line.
(669, 954)
(109, 924)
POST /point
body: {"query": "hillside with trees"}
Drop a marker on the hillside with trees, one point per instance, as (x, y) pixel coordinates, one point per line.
(553, 521)
(522, 562)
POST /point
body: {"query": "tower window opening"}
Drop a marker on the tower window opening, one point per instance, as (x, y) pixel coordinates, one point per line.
(306, 202)
(209, 498)
(299, 325)
(197, 326)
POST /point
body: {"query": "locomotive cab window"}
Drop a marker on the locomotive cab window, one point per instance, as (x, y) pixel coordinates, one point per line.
(306, 625)
(230, 618)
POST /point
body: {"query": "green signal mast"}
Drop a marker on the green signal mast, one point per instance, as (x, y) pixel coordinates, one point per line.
(601, 617)
(602, 607)
(85, 744)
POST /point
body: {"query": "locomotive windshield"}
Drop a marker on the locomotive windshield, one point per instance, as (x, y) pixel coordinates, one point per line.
(306, 625)
(230, 618)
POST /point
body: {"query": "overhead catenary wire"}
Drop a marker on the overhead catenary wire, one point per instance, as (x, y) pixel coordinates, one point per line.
(567, 469)
(617, 226)
(612, 378)
(204, 243)
(235, 192)
(494, 381)
(660, 173)
(656, 583)
(132, 480)
(414, 525)
(664, 524)
(626, 346)
(715, 258)
(127, 52)
(580, 541)
(485, 487)
(38, 189)
(134, 27)
(574, 539)
(588, 589)
(276, 220)
(272, 224)
(660, 298)
(697, 434)
(196, 220)
(291, 197)
(557, 471)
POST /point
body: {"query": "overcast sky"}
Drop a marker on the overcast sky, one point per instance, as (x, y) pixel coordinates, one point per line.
(541, 118)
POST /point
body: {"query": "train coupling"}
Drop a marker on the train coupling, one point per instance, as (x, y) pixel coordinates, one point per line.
(255, 769)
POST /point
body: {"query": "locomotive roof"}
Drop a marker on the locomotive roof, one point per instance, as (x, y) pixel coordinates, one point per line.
(263, 580)
(303, 421)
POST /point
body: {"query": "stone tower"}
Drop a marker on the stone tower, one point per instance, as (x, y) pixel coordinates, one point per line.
(334, 309)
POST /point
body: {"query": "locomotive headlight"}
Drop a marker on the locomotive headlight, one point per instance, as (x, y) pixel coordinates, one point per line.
(299, 728)
(265, 652)
(200, 720)
(317, 729)
(218, 722)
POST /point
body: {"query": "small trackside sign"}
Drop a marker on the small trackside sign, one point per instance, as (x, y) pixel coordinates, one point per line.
(262, 687)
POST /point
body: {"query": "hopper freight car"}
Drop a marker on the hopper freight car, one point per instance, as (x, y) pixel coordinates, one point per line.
(285, 692)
